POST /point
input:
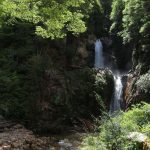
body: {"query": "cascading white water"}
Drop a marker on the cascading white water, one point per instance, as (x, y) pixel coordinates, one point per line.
(117, 97)
(118, 86)
(99, 59)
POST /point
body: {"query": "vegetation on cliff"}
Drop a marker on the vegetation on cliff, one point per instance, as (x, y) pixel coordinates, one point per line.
(130, 20)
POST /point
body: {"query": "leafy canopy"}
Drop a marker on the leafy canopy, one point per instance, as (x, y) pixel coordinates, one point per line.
(51, 18)
(131, 19)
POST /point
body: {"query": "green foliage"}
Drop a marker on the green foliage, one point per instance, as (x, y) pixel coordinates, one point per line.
(100, 82)
(51, 19)
(130, 19)
(28, 76)
(130, 24)
(99, 4)
(103, 87)
(20, 79)
(144, 82)
(80, 91)
(116, 16)
(114, 132)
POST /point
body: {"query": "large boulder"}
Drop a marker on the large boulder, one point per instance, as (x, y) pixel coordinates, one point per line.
(141, 139)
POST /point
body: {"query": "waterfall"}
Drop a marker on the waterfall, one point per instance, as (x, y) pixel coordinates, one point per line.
(118, 86)
(99, 60)
(117, 96)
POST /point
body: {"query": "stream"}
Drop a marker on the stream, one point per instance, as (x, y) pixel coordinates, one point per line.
(67, 142)
(15, 136)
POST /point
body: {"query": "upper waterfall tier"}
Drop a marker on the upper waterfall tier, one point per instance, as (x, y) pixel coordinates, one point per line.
(99, 59)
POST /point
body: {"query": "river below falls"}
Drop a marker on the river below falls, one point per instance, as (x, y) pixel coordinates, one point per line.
(15, 136)
(66, 142)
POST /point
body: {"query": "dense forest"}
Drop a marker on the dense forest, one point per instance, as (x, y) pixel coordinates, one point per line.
(75, 66)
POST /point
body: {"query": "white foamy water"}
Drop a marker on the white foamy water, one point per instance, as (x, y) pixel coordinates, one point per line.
(99, 59)
(117, 96)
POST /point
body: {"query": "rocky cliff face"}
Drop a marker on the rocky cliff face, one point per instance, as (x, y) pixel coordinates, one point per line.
(73, 96)
(55, 84)
(134, 94)
(141, 66)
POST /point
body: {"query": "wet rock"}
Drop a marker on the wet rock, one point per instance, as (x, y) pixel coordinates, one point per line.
(142, 139)
(91, 39)
(6, 147)
(65, 143)
(132, 93)
(82, 52)
(18, 126)
(136, 136)
(22, 139)
(17, 137)
(125, 84)
(129, 90)
(107, 41)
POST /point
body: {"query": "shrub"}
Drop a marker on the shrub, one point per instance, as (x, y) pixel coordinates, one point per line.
(144, 82)
(114, 132)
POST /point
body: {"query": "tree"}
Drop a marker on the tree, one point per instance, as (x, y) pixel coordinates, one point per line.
(51, 18)
(0, 10)
(116, 16)
(130, 19)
